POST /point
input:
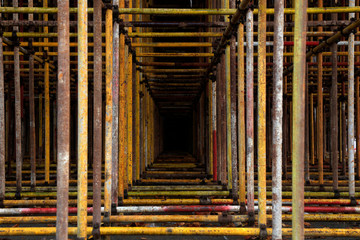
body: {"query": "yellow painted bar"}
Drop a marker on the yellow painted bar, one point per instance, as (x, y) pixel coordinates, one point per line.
(241, 116)
(169, 11)
(130, 104)
(170, 44)
(122, 112)
(216, 231)
(161, 34)
(40, 126)
(137, 108)
(108, 114)
(82, 145)
(261, 119)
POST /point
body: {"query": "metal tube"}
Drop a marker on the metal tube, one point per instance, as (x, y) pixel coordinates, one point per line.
(169, 11)
(82, 145)
(18, 107)
(227, 109)
(2, 126)
(47, 104)
(357, 87)
(179, 218)
(250, 114)
(317, 232)
(122, 116)
(351, 117)
(343, 145)
(298, 126)
(277, 116)
(320, 120)
(136, 175)
(261, 121)
(130, 101)
(32, 113)
(32, 123)
(241, 118)
(63, 123)
(233, 120)
(108, 117)
(334, 114)
(312, 129)
(97, 137)
(115, 112)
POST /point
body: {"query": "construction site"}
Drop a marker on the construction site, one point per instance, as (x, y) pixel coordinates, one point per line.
(188, 119)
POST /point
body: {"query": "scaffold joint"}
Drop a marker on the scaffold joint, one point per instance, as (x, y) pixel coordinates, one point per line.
(353, 201)
(263, 232)
(14, 39)
(225, 218)
(251, 220)
(96, 231)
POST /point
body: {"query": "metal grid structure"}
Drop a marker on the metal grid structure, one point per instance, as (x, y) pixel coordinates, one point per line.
(270, 87)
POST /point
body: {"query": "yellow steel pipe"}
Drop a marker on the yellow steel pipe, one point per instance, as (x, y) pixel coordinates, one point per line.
(159, 34)
(288, 54)
(82, 144)
(108, 112)
(169, 11)
(215, 231)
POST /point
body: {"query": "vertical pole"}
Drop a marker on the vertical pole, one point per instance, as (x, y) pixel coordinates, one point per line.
(210, 129)
(108, 117)
(223, 119)
(18, 107)
(312, 130)
(357, 126)
(97, 147)
(82, 119)
(32, 114)
(32, 123)
(261, 121)
(218, 143)
(334, 113)
(8, 129)
(130, 108)
(320, 110)
(351, 111)
(320, 120)
(2, 125)
(63, 110)
(307, 132)
(137, 109)
(115, 113)
(40, 152)
(298, 127)
(357, 111)
(47, 106)
(54, 131)
(228, 108)
(233, 131)
(277, 116)
(342, 109)
(214, 134)
(122, 114)
(241, 118)
(285, 130)
(250, 115)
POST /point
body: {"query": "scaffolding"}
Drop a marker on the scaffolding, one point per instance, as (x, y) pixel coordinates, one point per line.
(93, 93)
